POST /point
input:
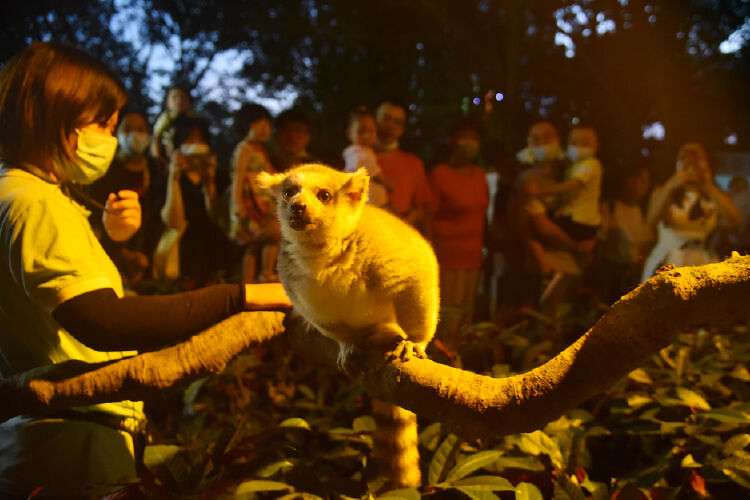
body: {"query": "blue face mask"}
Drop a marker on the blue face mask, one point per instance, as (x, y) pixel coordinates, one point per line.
(548, 152)
(579, 153)
(93, 156)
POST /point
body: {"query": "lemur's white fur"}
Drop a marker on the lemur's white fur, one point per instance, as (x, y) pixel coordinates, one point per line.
(357, 273)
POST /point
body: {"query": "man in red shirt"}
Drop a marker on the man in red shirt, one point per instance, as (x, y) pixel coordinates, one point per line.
(411, 191)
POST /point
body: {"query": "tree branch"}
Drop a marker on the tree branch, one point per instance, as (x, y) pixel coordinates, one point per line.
(641, 323)
(75, 383)
(471, 405)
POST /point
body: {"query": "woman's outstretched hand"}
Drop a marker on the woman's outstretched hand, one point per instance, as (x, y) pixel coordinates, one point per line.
(264, 296)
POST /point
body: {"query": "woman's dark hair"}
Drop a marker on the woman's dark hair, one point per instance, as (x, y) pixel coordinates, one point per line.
(462, 123)
(46, 92)
(248, 114)
(184, 125)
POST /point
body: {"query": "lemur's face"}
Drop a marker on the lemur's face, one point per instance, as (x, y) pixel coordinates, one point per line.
(316, 198)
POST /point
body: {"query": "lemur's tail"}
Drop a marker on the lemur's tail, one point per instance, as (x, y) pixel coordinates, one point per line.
(395, 445)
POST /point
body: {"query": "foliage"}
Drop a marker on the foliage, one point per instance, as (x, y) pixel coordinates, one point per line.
(616, 64)
(274, 424)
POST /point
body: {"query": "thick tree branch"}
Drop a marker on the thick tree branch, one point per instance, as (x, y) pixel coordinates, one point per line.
(471, 405)
(639, 324)
(52, 388)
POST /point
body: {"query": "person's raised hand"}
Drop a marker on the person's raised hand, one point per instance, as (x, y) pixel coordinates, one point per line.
(122, 215)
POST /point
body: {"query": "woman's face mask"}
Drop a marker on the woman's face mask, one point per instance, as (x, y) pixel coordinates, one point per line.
(92, 157)
(134, 143)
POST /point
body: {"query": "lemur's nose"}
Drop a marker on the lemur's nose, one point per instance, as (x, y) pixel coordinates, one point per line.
(298, 208)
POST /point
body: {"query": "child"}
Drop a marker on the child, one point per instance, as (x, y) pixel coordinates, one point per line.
(252, 216)
(360, 153)
(579, 213)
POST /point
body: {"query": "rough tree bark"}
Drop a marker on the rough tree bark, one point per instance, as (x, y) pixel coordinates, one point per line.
(470, 405)
(56, 387)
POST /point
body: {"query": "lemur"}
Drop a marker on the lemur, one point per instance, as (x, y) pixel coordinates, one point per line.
(362, 277)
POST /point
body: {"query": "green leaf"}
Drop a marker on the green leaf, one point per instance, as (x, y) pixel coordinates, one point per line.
(364, 424)
(273, 468)
(599, 491)
(478, 494)
(640, 375)
(490, 483)
(559, 493)
(636, 400)
(524, 463)
(442, 459)
(191, 393)
(689, 462)
(402, 494)
(740, 373)
(167, 463)
(692, 399)
(671, 427)
(300, 496)
(735, 444)
(472, 463)
(295, 423)
(258, 485)
(528, 491)
(537, 442)
(727, 415)
(429, 438)
(738, 476)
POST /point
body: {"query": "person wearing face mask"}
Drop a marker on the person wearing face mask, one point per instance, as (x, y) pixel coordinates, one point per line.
(61, 297)
(578, 214)
(525, 215)
(193, 246)
(460, 197)
(685, 211)
(134, 171)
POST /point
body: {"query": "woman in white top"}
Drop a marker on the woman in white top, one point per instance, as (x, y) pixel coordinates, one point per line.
(685, 210)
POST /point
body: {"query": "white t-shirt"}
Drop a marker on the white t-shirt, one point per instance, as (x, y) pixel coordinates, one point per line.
(49, 254)
(583, 206)
(356, 156)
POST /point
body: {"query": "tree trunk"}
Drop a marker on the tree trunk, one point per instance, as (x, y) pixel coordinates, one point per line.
(471, 405)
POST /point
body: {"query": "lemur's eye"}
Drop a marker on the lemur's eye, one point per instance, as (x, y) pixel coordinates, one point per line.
(290, 191)
(324, 195)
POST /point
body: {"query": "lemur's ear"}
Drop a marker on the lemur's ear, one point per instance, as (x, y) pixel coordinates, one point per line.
(269, 182)
(357, 185)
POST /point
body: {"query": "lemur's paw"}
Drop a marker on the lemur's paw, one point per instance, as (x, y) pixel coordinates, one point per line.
(407, 349)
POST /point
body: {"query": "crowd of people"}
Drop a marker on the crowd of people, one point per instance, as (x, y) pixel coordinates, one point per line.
(551, 234)
(79, 177)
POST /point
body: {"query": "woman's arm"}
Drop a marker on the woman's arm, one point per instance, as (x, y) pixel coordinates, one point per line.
(724, 202)
(102, 321)
(173, 210)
